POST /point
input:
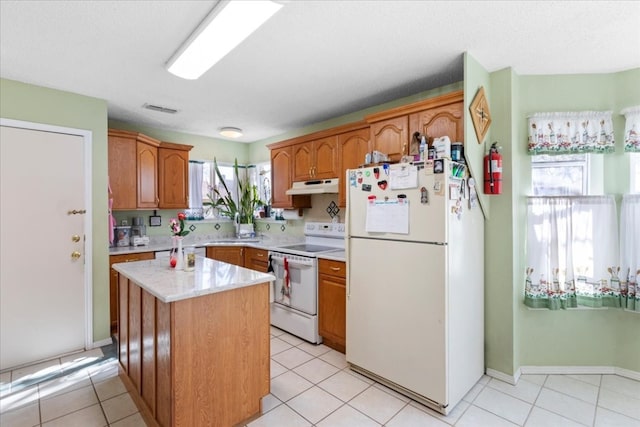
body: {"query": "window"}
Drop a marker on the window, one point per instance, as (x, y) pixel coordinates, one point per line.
(560, 175)
(258, 175)
(210, 182)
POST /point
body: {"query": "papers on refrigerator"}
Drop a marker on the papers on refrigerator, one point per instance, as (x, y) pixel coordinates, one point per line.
(388, 216)
(405, 176)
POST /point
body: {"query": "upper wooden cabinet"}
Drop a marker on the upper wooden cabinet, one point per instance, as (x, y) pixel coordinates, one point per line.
(133, 170)
(173, 175)
(440, 121)
(352, 148)
(391, 137)
(316, 159)
(281, 179)
(392, 130)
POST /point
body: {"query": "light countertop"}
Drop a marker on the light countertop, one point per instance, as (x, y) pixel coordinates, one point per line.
(210, 276)
(335, 256)
(266, 244)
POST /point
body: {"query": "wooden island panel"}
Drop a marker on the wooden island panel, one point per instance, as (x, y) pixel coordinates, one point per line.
(149, 350)
(135, 336)
(163, 363)
(201, 361)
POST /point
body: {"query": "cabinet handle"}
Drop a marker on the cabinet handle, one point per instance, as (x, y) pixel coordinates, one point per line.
(335, 268)
(260, 254)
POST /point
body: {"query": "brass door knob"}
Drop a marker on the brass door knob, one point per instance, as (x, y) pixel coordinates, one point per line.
(75, 255)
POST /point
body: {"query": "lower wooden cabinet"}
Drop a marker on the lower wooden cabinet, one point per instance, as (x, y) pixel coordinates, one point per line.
(113, 283)
(256, 259)
(229, 254)
(332, 303)
(185, 363)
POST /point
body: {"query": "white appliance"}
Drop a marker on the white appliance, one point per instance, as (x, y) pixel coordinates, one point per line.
(295, 303)
(415, 280)
(318, 186)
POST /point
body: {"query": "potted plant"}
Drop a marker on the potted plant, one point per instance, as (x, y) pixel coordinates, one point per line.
(242, 211)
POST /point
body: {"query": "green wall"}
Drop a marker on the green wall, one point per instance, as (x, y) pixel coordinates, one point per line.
(204, 147)
(515, 335)
(30, 103)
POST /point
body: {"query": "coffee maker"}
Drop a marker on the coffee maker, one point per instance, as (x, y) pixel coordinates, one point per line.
(138, 232)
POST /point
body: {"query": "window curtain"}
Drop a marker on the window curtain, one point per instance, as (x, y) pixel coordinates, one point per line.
(195, 190)
(632, 129)
(572, 132)
(572, 252)
(630, 251)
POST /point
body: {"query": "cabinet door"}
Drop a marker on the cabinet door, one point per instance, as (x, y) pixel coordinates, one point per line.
(281, 167)
(446, 120)
(391, 137)
(332, 303)
(147, 162)
(332, 311)
(256, 259)
(302, 155)
(122, 170)
(113, 282)
(281, 174)
(326, 158)
(229, 254)
(173, 177)
(352, 148)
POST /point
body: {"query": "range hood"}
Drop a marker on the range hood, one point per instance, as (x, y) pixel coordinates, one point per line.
(317, 186)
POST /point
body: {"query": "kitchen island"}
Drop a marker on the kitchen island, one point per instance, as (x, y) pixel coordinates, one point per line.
(194, 346)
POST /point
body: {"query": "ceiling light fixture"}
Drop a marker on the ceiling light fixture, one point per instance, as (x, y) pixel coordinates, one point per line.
(226, 26)
(230, 132)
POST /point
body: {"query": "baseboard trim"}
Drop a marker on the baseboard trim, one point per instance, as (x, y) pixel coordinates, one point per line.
(562, 370)
(102, 343)
(509, 379)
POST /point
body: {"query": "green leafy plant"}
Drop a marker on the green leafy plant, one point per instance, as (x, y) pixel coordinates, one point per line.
(248, 197)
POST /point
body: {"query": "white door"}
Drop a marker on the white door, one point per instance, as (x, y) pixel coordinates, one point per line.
(42, 258)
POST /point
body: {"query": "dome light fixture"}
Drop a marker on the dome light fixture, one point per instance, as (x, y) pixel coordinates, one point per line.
(231, 132)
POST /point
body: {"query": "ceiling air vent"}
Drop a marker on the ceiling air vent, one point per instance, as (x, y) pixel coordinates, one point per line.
(160, 108)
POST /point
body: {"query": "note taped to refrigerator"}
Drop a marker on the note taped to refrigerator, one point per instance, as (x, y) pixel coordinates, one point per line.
(388, 216)
(405, 176)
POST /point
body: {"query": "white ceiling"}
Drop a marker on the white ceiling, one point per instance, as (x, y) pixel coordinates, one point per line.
(312, 61)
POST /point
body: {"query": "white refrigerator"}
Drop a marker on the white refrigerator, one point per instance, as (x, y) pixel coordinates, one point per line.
(415, 280)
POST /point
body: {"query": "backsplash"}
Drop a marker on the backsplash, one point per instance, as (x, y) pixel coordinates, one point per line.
(207, 230)
(324, 207)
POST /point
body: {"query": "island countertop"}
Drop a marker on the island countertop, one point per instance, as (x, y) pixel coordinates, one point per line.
(210, 276)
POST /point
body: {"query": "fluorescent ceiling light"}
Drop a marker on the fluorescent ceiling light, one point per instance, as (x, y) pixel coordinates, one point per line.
(230, 132)
(226, 26)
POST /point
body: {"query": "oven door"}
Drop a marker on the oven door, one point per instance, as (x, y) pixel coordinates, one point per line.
(302, 293)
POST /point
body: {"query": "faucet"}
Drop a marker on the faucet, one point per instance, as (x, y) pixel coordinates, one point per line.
(236, 222)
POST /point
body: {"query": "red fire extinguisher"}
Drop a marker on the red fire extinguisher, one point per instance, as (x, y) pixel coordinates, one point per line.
(493, 171)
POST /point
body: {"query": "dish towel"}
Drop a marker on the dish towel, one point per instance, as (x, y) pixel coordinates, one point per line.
(286, 285)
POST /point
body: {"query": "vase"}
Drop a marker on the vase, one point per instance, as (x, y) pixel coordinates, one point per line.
(177, 253)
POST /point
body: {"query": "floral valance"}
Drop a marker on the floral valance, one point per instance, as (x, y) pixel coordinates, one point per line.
(632, 129)
(571, 132)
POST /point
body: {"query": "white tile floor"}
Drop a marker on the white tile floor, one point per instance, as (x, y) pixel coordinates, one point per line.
(312, 386)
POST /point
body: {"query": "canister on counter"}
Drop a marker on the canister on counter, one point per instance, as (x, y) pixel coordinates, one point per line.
(123, 235)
